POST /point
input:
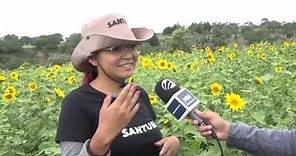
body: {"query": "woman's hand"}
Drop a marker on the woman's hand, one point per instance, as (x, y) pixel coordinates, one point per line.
(169, 146)
(114, 117)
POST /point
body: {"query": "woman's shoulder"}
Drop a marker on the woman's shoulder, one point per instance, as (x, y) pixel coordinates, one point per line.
(142, 90)
(75, 93)
(81, 94)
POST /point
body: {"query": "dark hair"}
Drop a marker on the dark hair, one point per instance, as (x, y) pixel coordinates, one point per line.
(89, 76)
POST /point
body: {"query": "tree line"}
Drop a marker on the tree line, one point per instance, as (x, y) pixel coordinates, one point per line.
(55, 49)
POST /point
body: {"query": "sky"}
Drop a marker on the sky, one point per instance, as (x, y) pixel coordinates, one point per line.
(43, 17)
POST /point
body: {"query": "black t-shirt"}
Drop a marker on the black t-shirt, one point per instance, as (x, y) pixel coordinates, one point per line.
(79, 117)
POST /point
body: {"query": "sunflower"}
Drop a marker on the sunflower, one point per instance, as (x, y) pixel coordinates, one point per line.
(235, 45)
(8, 97)
(286, 44)
(2, 78)
(140, 58)
(162, 64)
(271, 48)
(250, 53)
(49, 76)
(59, 92)
(69, 69)
(50, 69)
(231, 56)
(194, 65)
(153, 99)
(208, 49)
(211, 57)
(263, 57)
(32, 86)
(10, 90)
(57, 68)
(221, 49)
(259, 80)
(146, 62)
(14, 75)
(216, 88)
(279, 69)
(71, 80)
(171, 66)
(252, 46)
(234, 101)
(48, 99)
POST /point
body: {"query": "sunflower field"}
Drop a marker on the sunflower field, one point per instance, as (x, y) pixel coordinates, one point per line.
(254, 85)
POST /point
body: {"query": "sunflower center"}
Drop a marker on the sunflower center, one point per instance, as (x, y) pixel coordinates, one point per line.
(8, 96)
(234, 102)
(215, 89)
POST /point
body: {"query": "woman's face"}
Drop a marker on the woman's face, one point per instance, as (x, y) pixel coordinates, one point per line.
(118, 62)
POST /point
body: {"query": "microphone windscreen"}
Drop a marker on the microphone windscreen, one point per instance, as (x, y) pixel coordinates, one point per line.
(165, 89)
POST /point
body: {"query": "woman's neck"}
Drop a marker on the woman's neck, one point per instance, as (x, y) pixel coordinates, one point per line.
(106, 85)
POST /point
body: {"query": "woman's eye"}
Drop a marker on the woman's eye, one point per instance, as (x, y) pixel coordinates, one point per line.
(132, 46)
(117, 48)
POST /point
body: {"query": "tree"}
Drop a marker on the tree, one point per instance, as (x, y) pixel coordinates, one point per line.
(169, 30)
(154, 41)
(10, 44)
(289, 30)
(26, 40)
(47, 43)
(70, 43)
(201, 28)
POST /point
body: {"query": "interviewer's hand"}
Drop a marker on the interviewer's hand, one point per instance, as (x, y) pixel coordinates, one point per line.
(218, 124)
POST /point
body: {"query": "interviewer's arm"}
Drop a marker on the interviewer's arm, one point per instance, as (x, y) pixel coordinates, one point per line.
(262, 141)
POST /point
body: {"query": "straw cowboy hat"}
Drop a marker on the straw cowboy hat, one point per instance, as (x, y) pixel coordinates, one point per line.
(110, 30)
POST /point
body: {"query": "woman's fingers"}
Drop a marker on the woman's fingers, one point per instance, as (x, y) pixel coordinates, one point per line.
(135, 109)
(107, 101)
(133, 101)
(131, 98)
(123, 94)
(169, 146)
(128, 97)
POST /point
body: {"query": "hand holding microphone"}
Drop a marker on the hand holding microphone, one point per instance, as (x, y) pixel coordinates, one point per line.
(181, 104)
(216, 123)
(179, 101)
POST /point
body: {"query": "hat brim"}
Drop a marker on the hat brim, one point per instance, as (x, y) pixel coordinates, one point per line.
(88, 45)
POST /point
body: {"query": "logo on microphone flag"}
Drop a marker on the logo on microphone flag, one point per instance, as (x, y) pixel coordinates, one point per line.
(187, 98)
(181, 104)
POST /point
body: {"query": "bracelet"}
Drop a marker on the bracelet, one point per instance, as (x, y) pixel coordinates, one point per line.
(91, 153)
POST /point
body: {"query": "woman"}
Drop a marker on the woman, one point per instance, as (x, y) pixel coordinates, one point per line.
(105, 116)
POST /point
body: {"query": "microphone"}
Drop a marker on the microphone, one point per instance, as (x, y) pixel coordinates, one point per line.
(181, 103)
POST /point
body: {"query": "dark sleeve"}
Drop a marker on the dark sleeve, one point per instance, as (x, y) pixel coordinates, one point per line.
(147, 103)
(262, 142)
(74, 123)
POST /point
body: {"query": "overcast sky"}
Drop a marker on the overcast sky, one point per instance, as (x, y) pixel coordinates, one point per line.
(39, 17)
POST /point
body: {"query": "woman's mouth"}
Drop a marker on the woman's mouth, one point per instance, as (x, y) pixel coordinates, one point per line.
(126, 64)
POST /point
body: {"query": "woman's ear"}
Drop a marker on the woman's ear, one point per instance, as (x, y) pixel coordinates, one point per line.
(93, 61)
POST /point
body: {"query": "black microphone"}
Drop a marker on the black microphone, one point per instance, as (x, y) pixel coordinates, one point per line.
(179, 101)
